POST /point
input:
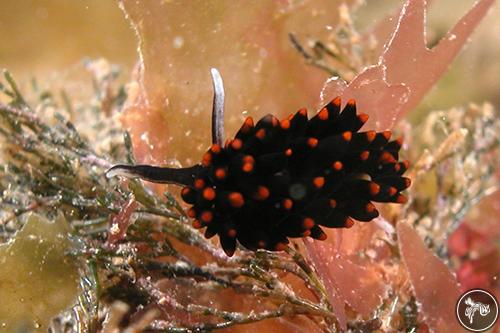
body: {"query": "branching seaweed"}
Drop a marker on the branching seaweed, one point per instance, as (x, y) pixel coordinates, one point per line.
(455, 171)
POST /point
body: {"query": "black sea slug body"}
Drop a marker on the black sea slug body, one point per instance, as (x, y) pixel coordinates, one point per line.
(283, 179)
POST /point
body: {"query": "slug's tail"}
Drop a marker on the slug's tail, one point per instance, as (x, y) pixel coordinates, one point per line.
(179, 176)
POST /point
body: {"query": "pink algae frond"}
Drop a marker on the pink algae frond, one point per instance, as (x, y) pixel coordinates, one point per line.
(407, 68)
(435, 287)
